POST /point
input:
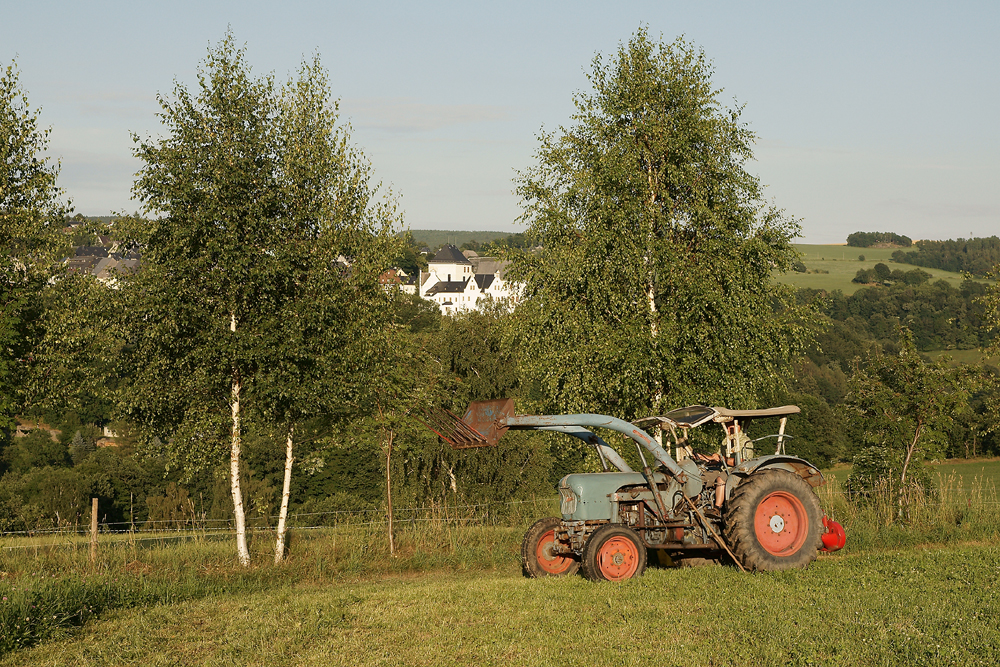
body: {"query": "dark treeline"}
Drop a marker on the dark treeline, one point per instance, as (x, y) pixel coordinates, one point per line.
(869, 239)
(977, 256)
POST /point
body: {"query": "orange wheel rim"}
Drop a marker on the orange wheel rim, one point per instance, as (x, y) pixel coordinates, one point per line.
(547, 559)
(781, 523)
(618, 559)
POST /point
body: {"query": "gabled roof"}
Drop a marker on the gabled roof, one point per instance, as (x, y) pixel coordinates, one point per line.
(490, 265)
(484, 280)
(448, 287)
(449, 254)
(91, 251)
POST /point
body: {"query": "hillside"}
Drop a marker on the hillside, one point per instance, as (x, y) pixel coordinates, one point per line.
(840, 264)
(435, 238)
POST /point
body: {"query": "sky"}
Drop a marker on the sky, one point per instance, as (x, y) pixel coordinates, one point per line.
(869, 116)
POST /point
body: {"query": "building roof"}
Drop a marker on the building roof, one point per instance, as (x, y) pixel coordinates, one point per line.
(448, 286)
(489, 265)
(484, 280)
(91, 251)
(449, 254)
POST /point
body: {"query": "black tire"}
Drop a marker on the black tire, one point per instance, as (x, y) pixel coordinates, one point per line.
(613, 553)
(536, 552)
(773, 521)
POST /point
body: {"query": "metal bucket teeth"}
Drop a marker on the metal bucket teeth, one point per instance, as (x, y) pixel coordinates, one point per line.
(482, 425)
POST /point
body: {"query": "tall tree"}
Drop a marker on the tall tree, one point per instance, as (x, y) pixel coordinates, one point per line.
(210, 277)
(898, 407)
(336, 237)
(31, 215)
(259, 284)
(654, 283)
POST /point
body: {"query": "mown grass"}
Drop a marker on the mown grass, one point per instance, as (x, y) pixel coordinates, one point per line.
(51, 590)
(920, 591)
(838, 264)
(927, 606)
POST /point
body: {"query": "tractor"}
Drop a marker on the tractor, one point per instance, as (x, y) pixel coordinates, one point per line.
(758, 511)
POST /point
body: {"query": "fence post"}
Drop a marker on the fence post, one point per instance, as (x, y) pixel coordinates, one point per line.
(93, 530)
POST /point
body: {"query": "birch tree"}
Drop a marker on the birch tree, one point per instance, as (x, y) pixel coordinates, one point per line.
(31, 214)
(336, 239)
(260, 264)
(653, 286)
(210, 275)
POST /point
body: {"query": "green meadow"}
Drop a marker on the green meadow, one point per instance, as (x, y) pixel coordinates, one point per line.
(919, 592)
(833, 267)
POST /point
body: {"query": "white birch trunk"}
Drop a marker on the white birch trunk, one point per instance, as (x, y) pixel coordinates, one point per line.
(234, 465)
(654, 330)
(279, 545)
(388, 492)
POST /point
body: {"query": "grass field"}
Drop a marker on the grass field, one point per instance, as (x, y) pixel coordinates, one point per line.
(924, 592)
(964, 472)
(926, 606)
(842, 264)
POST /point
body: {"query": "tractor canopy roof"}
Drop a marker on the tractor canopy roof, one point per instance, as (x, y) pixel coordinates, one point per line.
(693, 416)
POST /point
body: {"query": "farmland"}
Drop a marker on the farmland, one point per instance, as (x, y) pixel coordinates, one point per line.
(924, 592)
(930, 605)
(833, 267)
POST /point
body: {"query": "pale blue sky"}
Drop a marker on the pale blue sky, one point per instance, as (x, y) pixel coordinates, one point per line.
(870, 116)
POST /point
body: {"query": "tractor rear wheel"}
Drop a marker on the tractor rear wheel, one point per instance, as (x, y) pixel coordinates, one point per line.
(774, 521)
(537, 554)
(613, 553)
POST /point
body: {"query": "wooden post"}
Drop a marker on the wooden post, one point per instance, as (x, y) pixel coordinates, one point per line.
(93, 530)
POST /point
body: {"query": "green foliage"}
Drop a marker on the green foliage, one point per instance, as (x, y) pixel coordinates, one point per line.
(899, 408)
(976, 256)
(31, 215)
(260, 265)
(76, 368)
(869, 239)
(653, 284)
(36, 450)
(939, 315)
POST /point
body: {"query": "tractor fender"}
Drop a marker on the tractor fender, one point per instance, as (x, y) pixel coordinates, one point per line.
(800, 467)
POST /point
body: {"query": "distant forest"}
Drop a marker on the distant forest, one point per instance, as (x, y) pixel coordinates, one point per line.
(976, 256)
(869, 239)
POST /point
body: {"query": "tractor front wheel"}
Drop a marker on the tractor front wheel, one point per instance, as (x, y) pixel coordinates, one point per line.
(537, 551)
(774, 521)
(613, 553)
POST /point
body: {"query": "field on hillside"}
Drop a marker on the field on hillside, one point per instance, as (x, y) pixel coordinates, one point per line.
(435, 238)
(842, 264)
(923, 592)
(963, 472)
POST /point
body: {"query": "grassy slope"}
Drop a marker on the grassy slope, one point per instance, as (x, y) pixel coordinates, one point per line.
(842, 263)
(435, 238)
(920, 606)
(455, 596)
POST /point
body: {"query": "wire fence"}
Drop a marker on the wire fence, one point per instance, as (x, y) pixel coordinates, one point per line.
(465, 514)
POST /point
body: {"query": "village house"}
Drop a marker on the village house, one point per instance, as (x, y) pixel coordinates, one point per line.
(456, 281)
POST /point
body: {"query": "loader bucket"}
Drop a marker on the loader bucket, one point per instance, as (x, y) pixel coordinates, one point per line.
(479, 427)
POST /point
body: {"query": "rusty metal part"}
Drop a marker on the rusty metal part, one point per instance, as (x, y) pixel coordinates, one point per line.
(481, 426)
(715, 535)
(660, 507)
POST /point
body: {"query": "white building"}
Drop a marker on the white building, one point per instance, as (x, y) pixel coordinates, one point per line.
(456, 282)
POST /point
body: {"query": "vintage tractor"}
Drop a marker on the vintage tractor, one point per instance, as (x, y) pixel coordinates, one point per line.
(759, 511)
